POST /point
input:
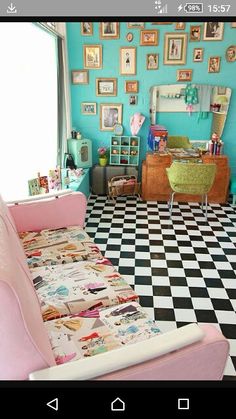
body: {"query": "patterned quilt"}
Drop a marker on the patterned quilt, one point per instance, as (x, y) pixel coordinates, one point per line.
(74, 287)
(98, 331)
(53, 247)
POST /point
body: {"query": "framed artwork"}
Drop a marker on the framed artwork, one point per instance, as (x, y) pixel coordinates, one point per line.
(128, 60)
(195, 33)
(213, 31)
(135, 25)
(129, 36)
(180, 26)
(233, 24)
(214, 65)
(221, 90)
(34, 186)
(231, 53)
(149, 37)
(131, 86)
(86, 28)
(175, 48)
(162, 23)
(152, 61)
(110, 115)
(184, 75)
(109, 30)
(133, 100)
(88, 108)
(79, 76)
(106, 87)
(198, 55)
(92, 56)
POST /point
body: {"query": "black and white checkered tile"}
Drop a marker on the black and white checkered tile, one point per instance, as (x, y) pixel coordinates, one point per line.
(184, 269)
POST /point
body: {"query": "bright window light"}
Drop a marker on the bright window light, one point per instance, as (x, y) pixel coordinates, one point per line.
(28, 106)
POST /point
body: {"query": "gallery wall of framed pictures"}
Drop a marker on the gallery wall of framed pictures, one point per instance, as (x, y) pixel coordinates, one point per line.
(113, 65)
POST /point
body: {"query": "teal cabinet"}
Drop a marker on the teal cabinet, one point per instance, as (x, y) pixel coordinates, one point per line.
(124, 150)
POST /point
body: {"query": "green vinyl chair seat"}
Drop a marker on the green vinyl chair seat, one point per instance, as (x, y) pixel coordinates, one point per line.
(178, 141)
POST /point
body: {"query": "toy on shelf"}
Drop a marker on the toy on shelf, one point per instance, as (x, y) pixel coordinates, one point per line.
(215, 145)
(123, 185)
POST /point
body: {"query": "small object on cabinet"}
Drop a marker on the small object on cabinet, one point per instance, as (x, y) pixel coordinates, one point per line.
(123, 161)
(114, 151)
(54, 179)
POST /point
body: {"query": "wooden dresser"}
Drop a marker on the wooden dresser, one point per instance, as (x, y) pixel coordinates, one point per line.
(155, 184)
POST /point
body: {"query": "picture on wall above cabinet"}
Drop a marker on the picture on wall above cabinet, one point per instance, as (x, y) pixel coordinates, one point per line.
(110, 115)
(135, 25)
(233, 25)
(184, 75)
(149, 37)
(175, 48)
(214, 65)
(79, 77)
(133, 100)
(106, 86)
(213, 31)
(109, 30)
(88, 108)
(180, 26)
(86, 28)
(129, 37)
(198, 55)
(127, 61)
(92, 56)
(231, 54)
(152, 61)
(131, 86)
(195, 33)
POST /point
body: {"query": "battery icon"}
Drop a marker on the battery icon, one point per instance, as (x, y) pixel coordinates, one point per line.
(193, 8)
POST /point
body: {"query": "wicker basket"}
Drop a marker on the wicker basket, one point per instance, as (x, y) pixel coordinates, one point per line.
(121, 185)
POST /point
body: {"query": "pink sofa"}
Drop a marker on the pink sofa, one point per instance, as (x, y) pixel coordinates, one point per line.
(25, 346)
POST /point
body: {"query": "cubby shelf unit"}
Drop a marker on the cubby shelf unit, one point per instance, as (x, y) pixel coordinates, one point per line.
(124, 150)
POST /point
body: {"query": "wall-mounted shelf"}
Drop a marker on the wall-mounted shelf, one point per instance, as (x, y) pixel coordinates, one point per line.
(124, 150)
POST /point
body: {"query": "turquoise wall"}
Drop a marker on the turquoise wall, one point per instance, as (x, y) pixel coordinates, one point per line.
(178, 123)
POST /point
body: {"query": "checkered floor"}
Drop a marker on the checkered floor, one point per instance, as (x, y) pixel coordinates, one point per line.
(184, 270)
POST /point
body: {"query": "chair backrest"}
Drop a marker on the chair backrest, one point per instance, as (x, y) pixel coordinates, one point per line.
(197, 177)
(175, 141)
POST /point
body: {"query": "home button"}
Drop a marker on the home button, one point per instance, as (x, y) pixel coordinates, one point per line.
(117, 405)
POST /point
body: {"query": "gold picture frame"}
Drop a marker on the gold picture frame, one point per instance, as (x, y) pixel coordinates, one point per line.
(131, 86)
(195, 33)
(88, 108)
(184, 75)
(175, 48)
(86, 28)
(213, 31)
(135, 25)
(149, 37)
(128, 61)
(152, 61)
(180, 26)
(79, 76)
(214, 64)
(198, 55)
(110, 115)
(106, 86)
(93, 56)
(109, 30)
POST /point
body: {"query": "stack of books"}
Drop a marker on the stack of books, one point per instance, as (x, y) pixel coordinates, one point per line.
(157, 138)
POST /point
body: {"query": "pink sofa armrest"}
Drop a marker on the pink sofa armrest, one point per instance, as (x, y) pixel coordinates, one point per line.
(56, 212)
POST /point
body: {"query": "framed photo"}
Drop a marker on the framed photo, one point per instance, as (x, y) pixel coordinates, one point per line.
(88, 108)
(175, 48)
(133, 100)
(128, 61)
(34, 186)
(109, 30)
(195, 33)
(79, 76)
(221, 90)
(233, 24)
(152, 61)
(135, 25)
(110, 115)
(106, 87)
(180, 26)
(131, 86)
(184, 75)
(198, 55)
(213, 31)
(129, 37)
(149, 37)
(214, 65)
(162, 23)
(231, 53)
(86, 28)
(92, 56)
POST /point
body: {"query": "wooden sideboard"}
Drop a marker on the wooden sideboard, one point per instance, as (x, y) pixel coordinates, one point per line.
(155, 184)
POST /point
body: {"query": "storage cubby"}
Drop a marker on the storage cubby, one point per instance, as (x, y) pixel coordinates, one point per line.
(124, 150)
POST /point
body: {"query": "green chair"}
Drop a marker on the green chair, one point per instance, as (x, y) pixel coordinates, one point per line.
(174, 141)
(192, 179)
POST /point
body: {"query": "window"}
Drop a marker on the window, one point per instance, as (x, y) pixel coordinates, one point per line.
(28, 106)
